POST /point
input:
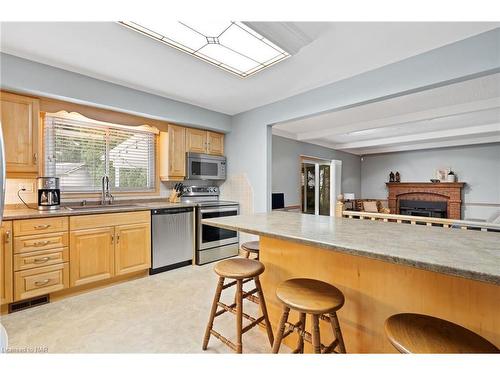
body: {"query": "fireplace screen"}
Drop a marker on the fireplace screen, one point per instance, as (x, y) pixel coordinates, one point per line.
(423, 208)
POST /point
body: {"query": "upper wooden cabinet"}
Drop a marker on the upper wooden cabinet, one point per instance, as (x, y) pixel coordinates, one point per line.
(215, 143)
(204, 142)
(20, 121)
(196, 140)
(173, 153)
(6, 268)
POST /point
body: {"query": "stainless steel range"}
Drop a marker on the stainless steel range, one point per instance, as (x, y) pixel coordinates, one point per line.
(212, 243)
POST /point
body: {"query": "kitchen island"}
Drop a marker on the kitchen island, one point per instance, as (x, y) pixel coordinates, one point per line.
(382, 269)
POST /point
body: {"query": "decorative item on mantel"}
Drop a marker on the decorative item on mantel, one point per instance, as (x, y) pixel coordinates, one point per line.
(451, 177)
(442, 174)
(398, 177)
(391, 177)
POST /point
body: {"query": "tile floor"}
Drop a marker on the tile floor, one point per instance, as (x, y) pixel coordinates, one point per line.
(165, 313)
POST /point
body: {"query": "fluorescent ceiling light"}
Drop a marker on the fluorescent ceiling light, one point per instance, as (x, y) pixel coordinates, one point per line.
(231, 46)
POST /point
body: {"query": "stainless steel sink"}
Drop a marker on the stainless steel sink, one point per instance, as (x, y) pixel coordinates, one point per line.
(100, 207)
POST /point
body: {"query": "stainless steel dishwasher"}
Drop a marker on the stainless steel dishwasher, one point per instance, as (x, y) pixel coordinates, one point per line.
(172, 236)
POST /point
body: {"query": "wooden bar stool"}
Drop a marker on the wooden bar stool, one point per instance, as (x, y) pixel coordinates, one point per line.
(317, 298)
(251, 247)
(241, 270)
(424, 334)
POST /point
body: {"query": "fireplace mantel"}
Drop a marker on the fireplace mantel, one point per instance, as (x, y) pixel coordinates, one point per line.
(451, 192)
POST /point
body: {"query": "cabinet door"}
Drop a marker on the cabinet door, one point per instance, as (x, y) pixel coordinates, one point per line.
(176, 151)
(215, 143)
(196, 140)
(91, 255)
(20, 119)
(133, 248)
(6, 269)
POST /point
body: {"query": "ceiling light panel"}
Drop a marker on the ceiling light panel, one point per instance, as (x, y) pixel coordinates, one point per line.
(231, 46)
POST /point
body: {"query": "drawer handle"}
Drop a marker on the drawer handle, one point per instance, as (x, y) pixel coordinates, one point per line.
(41, 260)
(40, 283)
(41, 243)
(42, 226)
(7, 236)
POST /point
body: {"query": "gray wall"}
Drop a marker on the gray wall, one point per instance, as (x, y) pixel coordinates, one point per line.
(476, 165)
(249, 145)
(33, 78)
(285, 167)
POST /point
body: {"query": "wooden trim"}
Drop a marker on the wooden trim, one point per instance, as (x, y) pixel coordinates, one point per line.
(463, 224)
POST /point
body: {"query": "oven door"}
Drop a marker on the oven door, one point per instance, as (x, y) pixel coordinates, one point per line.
(209, 236)
(206, 168)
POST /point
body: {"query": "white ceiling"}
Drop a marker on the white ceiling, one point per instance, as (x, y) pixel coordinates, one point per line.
(458, 114)
(322, 53)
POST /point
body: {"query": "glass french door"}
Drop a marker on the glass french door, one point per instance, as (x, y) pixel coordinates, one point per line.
(316, 187)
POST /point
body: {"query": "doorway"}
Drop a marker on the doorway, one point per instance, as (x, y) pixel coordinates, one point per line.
(320, 180)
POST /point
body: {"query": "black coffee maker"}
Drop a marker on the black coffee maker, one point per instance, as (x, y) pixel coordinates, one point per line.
(49, 195)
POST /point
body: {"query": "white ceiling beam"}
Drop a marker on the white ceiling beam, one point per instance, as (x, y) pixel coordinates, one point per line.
(429, 145)
(413, 138)
(408, 118)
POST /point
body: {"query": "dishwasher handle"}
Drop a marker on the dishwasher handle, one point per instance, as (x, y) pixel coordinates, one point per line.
(172, 211)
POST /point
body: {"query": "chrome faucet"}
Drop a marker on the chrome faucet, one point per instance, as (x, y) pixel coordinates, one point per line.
(106, 196)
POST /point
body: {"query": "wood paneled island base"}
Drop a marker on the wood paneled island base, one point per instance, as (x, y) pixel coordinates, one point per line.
(375, 290)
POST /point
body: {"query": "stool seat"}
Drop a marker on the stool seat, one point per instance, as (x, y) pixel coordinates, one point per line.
(310, 296)
(251, 246)
(416, 333)
(239, 268)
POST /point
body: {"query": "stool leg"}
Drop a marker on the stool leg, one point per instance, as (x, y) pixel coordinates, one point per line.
(300, 341)
(336, 330)
(239, 315)
(210, 324)
(281, 329)
(263, 308)
(316, 340)
(247, 254)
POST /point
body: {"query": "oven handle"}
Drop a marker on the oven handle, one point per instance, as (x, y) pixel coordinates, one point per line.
(227, 209)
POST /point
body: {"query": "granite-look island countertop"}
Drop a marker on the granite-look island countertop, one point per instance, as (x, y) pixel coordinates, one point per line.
(465, 253)
(119, 206)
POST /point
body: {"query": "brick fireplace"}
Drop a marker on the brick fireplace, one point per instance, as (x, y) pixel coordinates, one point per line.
(449, 192)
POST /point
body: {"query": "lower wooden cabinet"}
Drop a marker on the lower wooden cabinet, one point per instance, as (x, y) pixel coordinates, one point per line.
(133, 248)
(39, 281)
(6, 267)
(91, 255)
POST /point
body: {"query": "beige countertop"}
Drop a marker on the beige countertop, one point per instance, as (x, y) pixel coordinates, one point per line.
(465, 253)
(120, 206)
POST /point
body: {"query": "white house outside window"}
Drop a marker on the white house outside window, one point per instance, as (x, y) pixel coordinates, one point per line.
(80, 151)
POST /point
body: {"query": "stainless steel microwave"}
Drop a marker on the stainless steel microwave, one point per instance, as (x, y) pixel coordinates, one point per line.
(205, 167)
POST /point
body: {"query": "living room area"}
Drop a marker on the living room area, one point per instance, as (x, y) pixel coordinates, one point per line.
(434, 153)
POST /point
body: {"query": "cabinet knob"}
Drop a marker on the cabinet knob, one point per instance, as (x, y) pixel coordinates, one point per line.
(7, 236)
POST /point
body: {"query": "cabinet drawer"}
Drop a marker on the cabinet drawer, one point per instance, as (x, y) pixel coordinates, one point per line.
(38, 259)
(39, 281)
(40, 242)
(40, 226)
(106, 220)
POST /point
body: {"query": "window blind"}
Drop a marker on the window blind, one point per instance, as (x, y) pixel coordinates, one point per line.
(81, 152)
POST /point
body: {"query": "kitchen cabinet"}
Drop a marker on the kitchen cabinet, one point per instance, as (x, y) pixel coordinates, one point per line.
(215, 143)
(133, 248)
(91, 255)
(20, 126)
(173, 153)
(100, 251)
(6, 269)
(204, 142)
(196, 140)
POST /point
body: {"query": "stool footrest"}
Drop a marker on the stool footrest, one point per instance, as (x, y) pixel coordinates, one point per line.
(233, 283)
(290, 328)
(231, 309)
(257, 321)
(229, 343)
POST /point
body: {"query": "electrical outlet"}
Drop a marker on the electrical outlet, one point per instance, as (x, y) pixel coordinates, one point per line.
(27, 186)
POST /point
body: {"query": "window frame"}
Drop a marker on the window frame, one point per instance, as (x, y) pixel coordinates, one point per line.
(116, 193)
